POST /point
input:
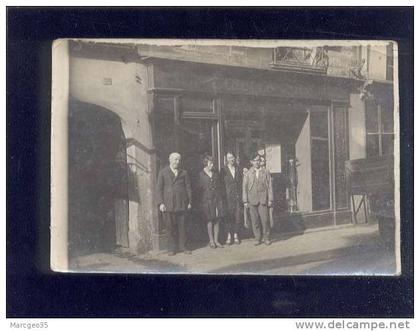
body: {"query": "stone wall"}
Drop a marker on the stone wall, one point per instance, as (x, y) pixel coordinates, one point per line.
(121, 88)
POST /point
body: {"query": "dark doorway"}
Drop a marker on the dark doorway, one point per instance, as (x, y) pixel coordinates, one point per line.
(98, 189)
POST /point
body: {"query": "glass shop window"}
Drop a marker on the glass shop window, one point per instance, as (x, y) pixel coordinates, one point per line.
(379, 129)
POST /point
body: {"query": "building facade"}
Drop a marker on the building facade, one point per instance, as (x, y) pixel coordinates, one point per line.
(306, 110)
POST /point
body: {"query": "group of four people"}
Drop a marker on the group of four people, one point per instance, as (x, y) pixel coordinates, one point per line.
(221, 196)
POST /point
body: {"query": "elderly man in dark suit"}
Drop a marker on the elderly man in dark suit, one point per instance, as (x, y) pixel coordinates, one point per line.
(174, 199)
(232, 180)
(257, 195)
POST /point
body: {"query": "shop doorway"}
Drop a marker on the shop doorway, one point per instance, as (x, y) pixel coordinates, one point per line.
(197, 137)
(188, 125)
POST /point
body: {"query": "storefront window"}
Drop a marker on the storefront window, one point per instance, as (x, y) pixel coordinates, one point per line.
(379, 129)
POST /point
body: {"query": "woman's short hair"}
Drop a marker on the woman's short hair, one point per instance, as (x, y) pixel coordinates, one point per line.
(206, 159)
(231, 153)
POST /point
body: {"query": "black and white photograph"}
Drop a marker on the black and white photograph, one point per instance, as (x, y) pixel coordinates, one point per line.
(213, 166)
(258, 157)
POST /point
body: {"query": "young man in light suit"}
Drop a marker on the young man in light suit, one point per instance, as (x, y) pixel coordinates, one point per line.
(257, 195)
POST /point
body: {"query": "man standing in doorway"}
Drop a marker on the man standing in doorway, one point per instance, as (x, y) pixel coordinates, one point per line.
(232, 180)
(174, 199)
(257, 195)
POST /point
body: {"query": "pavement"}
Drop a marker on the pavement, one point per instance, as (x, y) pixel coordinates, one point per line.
(345, 250)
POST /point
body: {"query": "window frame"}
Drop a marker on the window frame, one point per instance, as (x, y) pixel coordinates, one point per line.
(380, 133)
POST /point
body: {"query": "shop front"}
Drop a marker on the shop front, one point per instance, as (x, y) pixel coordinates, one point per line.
(305, 123)
(298, 122)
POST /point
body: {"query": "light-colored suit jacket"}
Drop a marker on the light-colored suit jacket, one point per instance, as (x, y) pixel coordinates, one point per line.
(250, 193)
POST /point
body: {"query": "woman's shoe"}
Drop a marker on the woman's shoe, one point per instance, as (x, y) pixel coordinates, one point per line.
(219, 245)
(237, 241)
(212, 245)
(229, 241)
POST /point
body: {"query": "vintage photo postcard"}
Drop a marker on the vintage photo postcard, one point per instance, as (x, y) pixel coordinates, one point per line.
(225, 157)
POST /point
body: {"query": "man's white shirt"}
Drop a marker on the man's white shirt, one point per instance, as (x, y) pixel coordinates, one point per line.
(232, 170)
(175, 171)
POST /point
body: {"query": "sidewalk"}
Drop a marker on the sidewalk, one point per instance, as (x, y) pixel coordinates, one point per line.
(353, 249)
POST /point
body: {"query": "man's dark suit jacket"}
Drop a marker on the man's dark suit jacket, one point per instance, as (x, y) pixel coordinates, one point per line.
(233, 187)
(174, 192)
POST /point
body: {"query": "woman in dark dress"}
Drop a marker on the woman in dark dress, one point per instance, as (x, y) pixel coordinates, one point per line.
(211, 200)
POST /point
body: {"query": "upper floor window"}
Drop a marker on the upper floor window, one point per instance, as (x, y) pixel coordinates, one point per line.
(379, 129)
